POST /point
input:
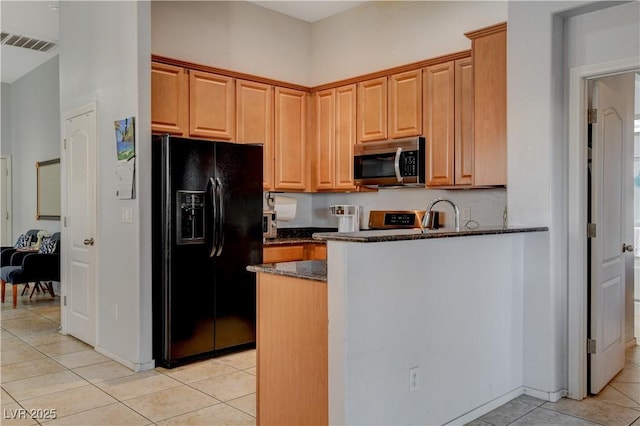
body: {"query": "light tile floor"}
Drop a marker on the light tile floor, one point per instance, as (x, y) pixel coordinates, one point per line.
(618, 404)
(41, 370)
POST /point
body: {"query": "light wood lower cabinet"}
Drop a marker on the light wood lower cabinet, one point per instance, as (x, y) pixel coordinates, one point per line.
(292, 351)
(294, 252)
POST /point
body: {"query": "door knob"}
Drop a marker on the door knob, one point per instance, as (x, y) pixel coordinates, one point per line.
(88, 242)
(627, 247)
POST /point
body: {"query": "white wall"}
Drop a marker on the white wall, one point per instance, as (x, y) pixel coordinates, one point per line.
(5, 121)
(105, 57)
(486, 206)
(30, 133)
(537, 66)
(382, 34)
(386, 317)
(233, 35)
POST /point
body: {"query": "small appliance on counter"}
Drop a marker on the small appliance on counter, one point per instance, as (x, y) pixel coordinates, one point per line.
(400, 219)
(348, 217)
(269, 224)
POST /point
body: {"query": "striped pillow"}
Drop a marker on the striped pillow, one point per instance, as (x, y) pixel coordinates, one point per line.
(23, 241)
(48, 246)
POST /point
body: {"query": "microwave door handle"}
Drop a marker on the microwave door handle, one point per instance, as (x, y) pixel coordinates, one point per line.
(396, 165)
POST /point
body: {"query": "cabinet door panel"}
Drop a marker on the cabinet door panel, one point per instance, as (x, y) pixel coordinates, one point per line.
(439, 122)
(405, 104)
(372, 110)
(254, 118)
(169, 99)
(211, 106)
(490, 99)
(345, 136)
(283, 254)
(325, 165)
(290, 140)
(463, 122)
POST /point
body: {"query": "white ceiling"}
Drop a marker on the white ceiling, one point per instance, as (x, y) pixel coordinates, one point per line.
(39, 19)
(309, 10)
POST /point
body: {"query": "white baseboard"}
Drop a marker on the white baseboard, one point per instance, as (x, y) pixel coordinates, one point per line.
(137, 367)
(631, 343)
(489, 406)
(546, 396)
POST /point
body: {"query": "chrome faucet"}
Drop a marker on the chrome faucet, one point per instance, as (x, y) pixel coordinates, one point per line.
(427, 220)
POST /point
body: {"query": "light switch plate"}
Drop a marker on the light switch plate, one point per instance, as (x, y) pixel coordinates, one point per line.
(127, 215)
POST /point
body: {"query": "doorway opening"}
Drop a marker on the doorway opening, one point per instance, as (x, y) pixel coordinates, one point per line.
(636, 210)
(577, 202)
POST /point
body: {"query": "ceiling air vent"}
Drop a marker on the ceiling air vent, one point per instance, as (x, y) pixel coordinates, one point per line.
(26, 42)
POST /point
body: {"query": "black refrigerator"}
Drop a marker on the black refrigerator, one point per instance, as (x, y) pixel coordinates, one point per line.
(207, 227)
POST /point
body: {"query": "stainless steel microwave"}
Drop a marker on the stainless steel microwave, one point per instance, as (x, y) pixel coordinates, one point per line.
(398, 162)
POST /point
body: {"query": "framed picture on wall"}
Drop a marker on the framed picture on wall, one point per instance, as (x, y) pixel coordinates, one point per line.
(48, 183)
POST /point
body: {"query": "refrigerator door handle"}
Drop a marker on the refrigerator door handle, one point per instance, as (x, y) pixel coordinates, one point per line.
(211, 189)
(219, 217)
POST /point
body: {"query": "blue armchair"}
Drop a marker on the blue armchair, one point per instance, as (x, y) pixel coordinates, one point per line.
(26, 267)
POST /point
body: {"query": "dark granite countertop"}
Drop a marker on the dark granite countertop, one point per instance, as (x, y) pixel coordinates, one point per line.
(378, 236)
(303, 235)
(315, 270)
(270, 242)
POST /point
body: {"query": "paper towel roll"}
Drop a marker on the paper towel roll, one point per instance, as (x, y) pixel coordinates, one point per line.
(285, 207)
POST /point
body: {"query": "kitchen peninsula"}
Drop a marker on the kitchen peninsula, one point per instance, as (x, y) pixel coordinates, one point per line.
(409, 328)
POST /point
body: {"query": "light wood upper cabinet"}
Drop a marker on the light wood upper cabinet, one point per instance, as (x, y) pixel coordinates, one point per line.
(335, 120)
(449, 123)
(463, 122)
(439, 122)
(489, 47)
(405, 104)
(291, 166)
(346, 101)
(325, 124)
(169, 99)
(211, 106)
(254, 122)
(372, 110)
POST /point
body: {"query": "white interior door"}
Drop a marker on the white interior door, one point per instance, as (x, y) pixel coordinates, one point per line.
(611, 137)
(79, 226)
(6, 237)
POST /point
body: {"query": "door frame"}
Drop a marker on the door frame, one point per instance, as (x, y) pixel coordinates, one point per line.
(66, 242)
(7, 181)
(577, 210)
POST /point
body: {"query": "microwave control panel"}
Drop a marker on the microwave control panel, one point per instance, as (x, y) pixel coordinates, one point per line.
(409, 163)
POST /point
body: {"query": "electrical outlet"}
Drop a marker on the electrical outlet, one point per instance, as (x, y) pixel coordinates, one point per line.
(466, 213)
(413, 379)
